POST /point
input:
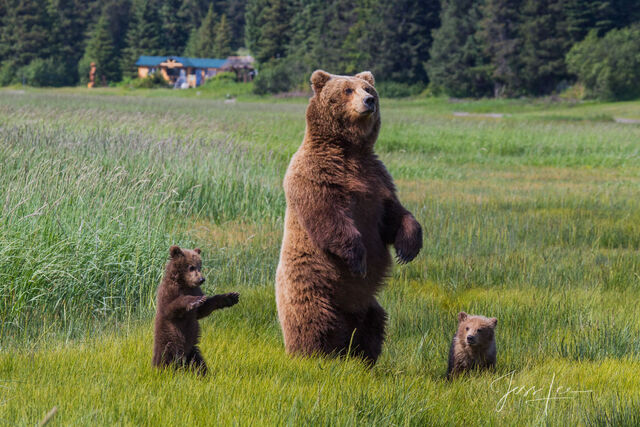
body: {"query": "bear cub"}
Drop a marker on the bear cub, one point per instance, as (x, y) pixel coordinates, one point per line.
(180, 303)
(473, 345)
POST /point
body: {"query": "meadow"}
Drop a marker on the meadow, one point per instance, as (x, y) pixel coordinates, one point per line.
(532, 217)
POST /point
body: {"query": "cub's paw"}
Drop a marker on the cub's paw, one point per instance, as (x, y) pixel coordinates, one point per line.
(356, 259)
(230, 299)
(195, 302)
(408, 240)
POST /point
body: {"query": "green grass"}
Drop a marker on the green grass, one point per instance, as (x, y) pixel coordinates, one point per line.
(533, 218)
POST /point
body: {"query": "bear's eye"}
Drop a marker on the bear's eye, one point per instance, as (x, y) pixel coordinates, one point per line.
(467, 328)
(480, 330)
(348, 91)
(192, 268)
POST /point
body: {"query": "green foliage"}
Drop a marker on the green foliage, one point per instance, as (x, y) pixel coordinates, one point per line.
(43, 72)
(212, 39)
(391, 89)
(144, 36)
(278, 75)
(222, 39)
(609, 67)
(457, 65)
(101, 49)
(154, 80)
(224, 85)
(545, 42)
(8, 73)
(201, 41)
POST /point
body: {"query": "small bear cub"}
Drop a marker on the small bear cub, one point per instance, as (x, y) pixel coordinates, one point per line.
(473, 345)
(180, 303)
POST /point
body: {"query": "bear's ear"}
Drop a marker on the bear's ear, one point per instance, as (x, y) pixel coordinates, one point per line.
(462, 316)
(197, 250)
(493, 322)
(367, 77)
(319, 78)
(175, 251)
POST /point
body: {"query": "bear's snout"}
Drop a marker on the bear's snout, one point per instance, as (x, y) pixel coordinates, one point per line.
(471, 339)
(201, 280)
(370, 102)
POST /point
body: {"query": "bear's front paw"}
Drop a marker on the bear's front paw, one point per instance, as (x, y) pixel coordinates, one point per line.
(357, 259)
(408, 240)
(195, 302)
(231, 299)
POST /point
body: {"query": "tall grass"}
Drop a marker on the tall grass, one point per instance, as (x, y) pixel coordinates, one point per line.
(530, 218)
(87, 215)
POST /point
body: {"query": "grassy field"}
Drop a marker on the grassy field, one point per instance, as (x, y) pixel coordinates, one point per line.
(533, 218)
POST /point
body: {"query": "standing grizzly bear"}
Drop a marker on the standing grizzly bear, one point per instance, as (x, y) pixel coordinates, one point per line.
(180, 303)
(342, 213)
(473, 345)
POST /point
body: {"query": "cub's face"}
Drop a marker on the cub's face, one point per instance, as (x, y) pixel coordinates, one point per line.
(475, 331)
(346, 99)
(188, 264)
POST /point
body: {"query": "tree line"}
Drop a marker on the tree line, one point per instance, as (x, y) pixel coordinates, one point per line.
(462, 48)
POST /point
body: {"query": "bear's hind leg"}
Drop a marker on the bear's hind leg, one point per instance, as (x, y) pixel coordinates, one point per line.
(369, 334)
(196, 362)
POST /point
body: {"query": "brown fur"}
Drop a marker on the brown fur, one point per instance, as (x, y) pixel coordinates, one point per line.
(342, 213)
(180, 303)
(473, 345)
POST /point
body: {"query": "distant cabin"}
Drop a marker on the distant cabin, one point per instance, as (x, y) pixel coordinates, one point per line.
(185, 72)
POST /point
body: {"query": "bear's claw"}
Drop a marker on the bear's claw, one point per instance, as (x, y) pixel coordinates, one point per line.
(196, 303)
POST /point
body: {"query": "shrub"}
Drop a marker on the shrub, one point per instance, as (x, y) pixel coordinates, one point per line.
(152, 81)
(609, 67)
(8, 73)
(44, 72)
(392, 89)
(275, 76)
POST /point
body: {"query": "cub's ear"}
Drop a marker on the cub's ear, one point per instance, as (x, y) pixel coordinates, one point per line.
(462, 316)
(493, 322)
(319, 78)
(175, 251)
(367, 77)
(197, 250)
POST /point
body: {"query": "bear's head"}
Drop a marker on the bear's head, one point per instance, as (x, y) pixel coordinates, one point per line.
(475, 331)
(344, 108)
(186, 266)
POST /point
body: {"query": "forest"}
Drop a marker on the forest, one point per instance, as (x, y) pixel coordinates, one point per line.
(459, 48)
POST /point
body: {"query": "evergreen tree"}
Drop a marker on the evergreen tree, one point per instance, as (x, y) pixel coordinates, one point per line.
(101, 50)
(457, 65)
(500, 36)
(175, 28)
(235, 16)
(222, 40)
(271, 28)
(254, 20)
(546, 41)
(26, 33)
(202, 41)
(406, 39)
(144, 36)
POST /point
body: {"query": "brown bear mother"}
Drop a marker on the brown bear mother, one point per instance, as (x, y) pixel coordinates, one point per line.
(342, 213)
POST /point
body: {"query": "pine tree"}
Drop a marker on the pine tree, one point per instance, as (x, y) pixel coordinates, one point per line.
(175, 29)
(457, 65)
(26, 33)
(270, 38)
(222, 40)
(202, 41)
(144, 36)
(499, 33)
(101, 50)
(545, 42)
